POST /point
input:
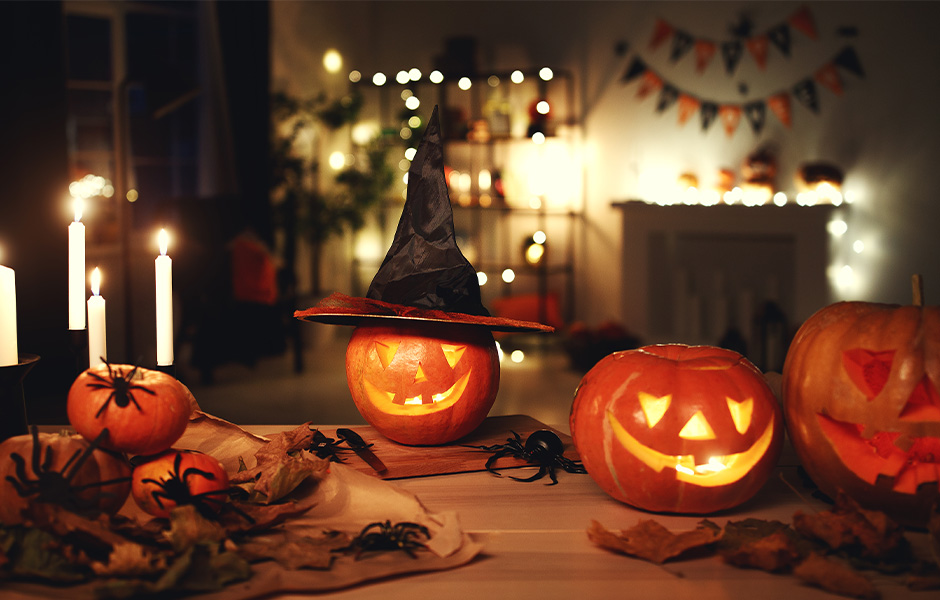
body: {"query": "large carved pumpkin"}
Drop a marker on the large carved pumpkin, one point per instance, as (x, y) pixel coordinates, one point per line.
(145, 411)
(99, 483)
(423, 383)
(675, 428)
(862, 407)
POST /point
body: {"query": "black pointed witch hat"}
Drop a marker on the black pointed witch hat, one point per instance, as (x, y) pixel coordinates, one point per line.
(424, 276)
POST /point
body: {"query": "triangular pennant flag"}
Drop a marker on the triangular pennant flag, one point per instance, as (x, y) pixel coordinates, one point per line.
(780, 104)
(780, 36)
(667, 97)
(805, 92)
(681, 43)
(803, 20)
(848, 59)
(704, 52)
(758, 48)
(687, 107)
(731, 52)
(730, 117)
(756, 114)
(708, 111)
(663, 30)
(634, 70)
(650, 83)
(828, 76)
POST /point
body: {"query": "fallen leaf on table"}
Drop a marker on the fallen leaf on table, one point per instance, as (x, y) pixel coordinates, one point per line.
(651, 541)
(754, 543)
(282, 465)
(835, 577)
(867, 534)
(188, 528)
(296, 552)
(130, 560)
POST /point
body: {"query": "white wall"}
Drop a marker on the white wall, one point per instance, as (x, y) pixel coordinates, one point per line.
(883, 131)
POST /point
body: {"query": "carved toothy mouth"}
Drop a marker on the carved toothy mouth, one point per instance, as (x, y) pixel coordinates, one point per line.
(878, 455)
(719, 470)
(387, 401)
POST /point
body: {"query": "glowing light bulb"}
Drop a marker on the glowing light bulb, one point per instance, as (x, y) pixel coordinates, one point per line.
(517, 77)
(837, 227)
(332, 61)
(379, 79)
(546, 74)
(539, 237)
(412, 103)
(508, 275)
(464, 83)
(436, 77)
(517, 356)
(481, 278)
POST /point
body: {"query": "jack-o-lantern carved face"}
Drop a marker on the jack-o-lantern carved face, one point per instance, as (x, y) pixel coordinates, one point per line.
(676, 428)
(423, 383)
(862, 406)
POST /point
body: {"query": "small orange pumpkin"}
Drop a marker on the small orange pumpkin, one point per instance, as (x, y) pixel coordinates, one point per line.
(423, 383)
(675, 428)
(145, 411)
(178, 477)
(49, 468)
(860, 390)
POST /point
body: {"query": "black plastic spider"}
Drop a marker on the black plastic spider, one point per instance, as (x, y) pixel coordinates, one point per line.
(542, 448)
(326, 447)
(403, 536)
(56, 486)
(122, 389)
(175, 488)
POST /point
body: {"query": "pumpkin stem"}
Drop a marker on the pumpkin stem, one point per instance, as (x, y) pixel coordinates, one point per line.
(917, 282)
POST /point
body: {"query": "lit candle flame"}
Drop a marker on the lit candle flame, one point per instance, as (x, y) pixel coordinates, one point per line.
(164, 239)
(96, 281)
(77, 206)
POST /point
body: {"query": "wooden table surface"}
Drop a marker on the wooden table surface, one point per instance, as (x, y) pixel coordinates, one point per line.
(536, 546)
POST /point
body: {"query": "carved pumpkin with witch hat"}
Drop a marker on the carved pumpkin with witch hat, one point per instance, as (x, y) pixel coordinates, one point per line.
(422, 364)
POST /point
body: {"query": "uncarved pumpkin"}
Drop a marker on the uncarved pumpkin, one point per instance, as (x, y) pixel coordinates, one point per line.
(423, 383)
(675, 428)
(145, 411)
(862, 406)
(62, 451)
(178, 477)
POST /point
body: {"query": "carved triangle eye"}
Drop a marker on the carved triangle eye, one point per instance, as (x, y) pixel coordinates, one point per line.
(386, 352)
(452, 353)
(741, 413)
(869, 370)
(697, 428)
(654, 407)
(924, 403)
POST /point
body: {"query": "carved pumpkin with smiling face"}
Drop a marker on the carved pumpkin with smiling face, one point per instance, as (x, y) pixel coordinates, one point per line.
(675, 428)
(862, 404)
(423, 383)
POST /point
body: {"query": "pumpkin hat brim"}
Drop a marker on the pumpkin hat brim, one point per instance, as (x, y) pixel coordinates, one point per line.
(424, 276)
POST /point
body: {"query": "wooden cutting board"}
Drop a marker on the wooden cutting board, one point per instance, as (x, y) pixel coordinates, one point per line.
(418, 461)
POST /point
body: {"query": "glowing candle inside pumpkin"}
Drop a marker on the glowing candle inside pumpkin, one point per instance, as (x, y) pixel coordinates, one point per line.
(164, 281)
(77, 269)
(97, 334)
(8, 347)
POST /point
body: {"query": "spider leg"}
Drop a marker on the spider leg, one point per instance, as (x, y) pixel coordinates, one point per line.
(20, 481)
(492, 460)
(141, 388)
(543, 470)
(105, 404)
(195, 471)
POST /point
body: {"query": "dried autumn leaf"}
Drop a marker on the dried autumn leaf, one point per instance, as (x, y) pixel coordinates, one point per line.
(774, 553)
(188, 528)
(282, 466)
(866, 533)
(305, 552)
(649, 540)
(835, 577)
(130, 560)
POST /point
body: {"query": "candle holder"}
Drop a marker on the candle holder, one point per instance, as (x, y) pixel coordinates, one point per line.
(12, 400)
